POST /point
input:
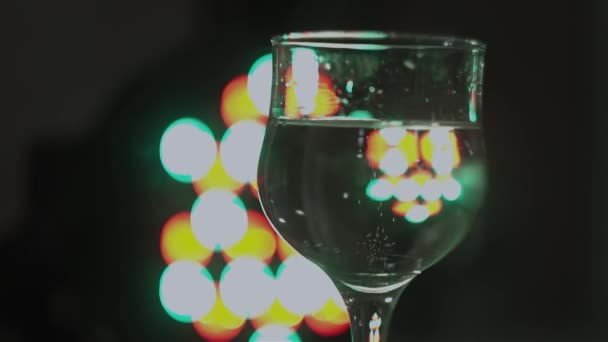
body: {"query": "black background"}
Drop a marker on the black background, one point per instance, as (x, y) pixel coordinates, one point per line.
(89, 87)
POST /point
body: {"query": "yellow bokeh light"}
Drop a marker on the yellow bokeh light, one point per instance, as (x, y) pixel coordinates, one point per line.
(421, 176)
(217, 178)
(220, 324)
(409, 147)
(178, 242)
(401, 208)
(430, 144)
(278, 315)
(434, 207)
(259, 241)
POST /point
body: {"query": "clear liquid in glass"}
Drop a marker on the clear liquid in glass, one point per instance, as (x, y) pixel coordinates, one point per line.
(373, 203)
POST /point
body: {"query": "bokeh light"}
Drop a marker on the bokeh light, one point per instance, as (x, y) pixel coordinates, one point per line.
(220, 222)
(278, 315)
(305, 78)
(451, 189)
(376, 147)
(400, 208)
(393, 163)
(248, 287)
(275, 333)
(220, 324)
(393, 135)
(217, 178)
(177, 241)
(299, 299)
(418, 213)
(407, 190)
(236, 103)
(360, 114)
(324, 103)
(259, 83)
(431, 190)
(218, 219)
(187, 292)
(331, 320)
(434, 207)
(409, 147)
(439, 149)
(380, 189)
(240, 150)
(187, 149)
(259, 242)
(284, 250)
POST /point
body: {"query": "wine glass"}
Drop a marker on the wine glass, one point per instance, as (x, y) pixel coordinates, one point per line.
(372, 162)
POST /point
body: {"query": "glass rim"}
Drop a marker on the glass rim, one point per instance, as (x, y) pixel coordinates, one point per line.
(375, 40)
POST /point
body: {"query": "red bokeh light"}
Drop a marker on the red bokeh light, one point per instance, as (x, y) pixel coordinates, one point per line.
(177, 242)
(331, 320)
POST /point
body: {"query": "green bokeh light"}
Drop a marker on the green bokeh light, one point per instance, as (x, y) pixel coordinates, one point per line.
(361, 114)
(174, 147)
(164, 297)
(379, 190)
(275, 333)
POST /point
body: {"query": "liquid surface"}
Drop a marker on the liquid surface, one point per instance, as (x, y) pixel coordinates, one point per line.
(372, 203)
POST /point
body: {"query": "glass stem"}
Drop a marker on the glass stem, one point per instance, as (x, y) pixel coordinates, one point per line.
(370, 313)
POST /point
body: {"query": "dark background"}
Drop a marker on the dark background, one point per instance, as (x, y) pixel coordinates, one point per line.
(88, 87)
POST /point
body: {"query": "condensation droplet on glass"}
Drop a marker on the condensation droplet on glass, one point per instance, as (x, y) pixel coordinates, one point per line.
(359, 155)
(380, 92)
(344, 101)
(420, 54)
(345, 195)
(360, 140)
(427, 100)
(299, 212)
(349, 86)
(408, 63)
(327, 66)
(282, 220)
(372, 89)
